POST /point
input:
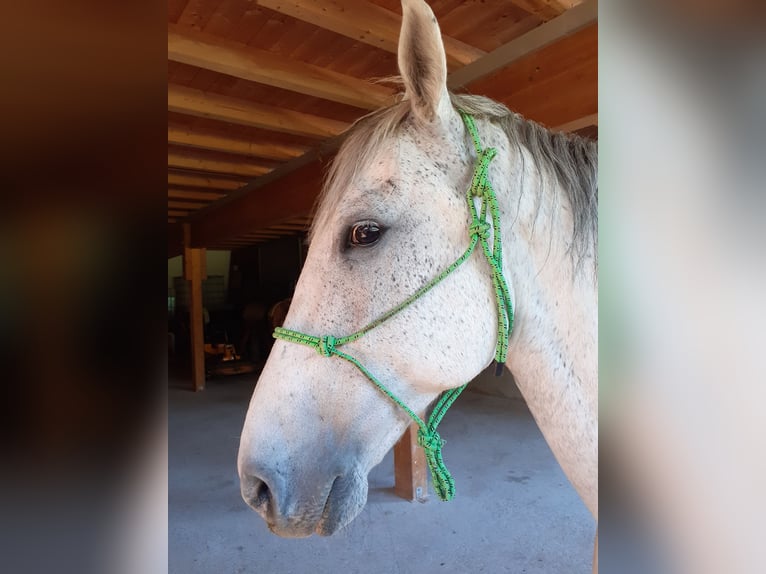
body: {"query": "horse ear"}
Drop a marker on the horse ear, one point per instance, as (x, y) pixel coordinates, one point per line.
(422, 61)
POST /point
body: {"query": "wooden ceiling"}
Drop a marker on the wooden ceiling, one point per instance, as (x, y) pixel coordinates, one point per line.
(259, 93)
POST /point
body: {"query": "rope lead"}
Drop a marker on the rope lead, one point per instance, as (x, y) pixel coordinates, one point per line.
(479, 230)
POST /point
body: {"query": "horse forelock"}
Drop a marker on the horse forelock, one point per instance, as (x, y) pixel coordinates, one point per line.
(570, 160)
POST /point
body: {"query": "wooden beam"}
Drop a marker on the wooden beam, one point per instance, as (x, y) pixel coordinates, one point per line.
(204, 181)
(210, 52)
(546, 9)
(568, 23)
(183, 160)
(264, 233)
(254, 207)
(258, 208)
(194, 272)
(578, 124)
(365, 22)
(185, 205)
(410, 476)
(561, 84)
(213, 141)
(290, 227)
(178, 213)
(223, 108)
(201, 195)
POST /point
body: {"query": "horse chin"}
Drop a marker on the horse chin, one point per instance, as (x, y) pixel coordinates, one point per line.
(347, 498)
(289, 531)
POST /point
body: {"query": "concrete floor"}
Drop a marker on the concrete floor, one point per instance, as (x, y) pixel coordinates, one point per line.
(514, 510)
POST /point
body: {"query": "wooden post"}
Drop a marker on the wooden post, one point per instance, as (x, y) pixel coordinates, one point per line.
(194, 272)
(410, 473)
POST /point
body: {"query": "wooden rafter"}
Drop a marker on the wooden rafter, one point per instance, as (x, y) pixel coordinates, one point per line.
(261, 235)
(290, 227)
(203, 181)
(254, 207)
(208, 140)
(241, 215)
(578, 124)
(546, 9)
(241, 61)
(223, 108)
(178, 213)
(174, 193)
(567, 23)
(185, 160)
(185, 205)
(365, 22)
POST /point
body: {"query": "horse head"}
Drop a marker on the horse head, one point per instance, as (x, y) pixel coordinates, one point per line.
(392, 217)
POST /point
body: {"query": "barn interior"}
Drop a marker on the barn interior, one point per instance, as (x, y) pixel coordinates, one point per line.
(259, 96)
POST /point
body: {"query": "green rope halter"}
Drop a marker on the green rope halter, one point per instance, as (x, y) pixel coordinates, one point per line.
(479, 230)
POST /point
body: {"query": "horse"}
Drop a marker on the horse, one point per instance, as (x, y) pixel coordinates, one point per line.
(391, 218)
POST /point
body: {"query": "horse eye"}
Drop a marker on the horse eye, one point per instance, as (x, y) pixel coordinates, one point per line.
(364, 234)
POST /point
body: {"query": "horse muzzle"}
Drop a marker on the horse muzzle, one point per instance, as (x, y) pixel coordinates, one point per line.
(296, 509)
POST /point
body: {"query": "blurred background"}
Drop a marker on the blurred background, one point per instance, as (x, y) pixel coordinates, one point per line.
(83, 326)
(682, 278)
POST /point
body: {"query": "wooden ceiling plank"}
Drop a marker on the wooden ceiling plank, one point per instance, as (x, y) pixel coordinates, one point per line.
(241, 61)
(203, 181)
(546, 9)
(560, 27)
(288, 227)
(271, 231)
(200, 195)
(186, 161)
(560, 99)
(365, 22)
(258, 209)
(303, 175)
(237, 111)
(263, 235)
(185, 205)
(208, 140)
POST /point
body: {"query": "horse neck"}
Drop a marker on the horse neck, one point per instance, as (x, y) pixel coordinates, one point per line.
(553, 347)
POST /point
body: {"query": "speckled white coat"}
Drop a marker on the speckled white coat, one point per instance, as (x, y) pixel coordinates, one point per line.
(316, 426)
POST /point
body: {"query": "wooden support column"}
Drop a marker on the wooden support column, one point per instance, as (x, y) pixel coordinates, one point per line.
(410, 467)
(194, 272)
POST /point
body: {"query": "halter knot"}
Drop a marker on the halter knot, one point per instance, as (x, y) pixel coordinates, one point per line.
(489, 153)
(480, 229)
(326, 345)
(430, 441)
(479, 187)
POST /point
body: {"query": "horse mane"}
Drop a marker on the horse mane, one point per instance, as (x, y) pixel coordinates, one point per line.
(569, 158)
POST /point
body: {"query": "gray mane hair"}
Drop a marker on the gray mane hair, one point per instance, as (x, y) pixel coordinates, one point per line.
(570, 159)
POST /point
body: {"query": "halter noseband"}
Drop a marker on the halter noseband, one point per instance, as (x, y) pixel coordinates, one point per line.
(479, 230)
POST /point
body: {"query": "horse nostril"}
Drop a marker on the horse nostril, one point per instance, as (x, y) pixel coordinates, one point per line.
(262, 494)
(256, 493)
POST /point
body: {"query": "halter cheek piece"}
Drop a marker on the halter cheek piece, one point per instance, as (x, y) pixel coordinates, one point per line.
(479, 230)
